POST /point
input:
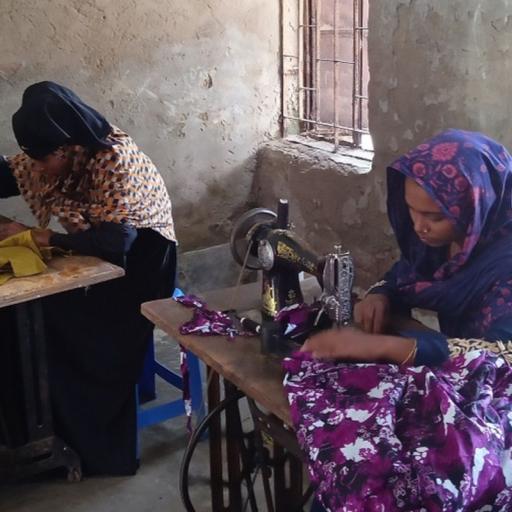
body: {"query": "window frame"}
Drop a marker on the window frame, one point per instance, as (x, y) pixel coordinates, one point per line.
(306, 119)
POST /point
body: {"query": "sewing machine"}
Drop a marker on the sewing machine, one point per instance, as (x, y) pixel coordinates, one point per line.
(263, 240)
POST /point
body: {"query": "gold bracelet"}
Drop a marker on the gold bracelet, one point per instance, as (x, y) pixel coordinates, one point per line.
(373, 286)
(411, 354)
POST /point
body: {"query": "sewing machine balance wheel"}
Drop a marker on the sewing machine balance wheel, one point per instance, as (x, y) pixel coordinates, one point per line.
(241, 236)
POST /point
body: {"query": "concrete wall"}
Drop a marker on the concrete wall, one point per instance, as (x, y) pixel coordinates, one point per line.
(332, 200)
(194, 82)
(433, 65)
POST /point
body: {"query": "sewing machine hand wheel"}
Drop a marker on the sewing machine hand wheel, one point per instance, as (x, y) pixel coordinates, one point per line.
(240, 239)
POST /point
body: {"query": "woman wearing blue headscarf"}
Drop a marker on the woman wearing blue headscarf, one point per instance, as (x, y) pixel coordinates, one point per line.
(450, 207)
(428, 432)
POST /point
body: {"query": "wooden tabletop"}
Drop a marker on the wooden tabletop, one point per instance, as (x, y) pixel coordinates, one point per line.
(63, 273)
(239, 360)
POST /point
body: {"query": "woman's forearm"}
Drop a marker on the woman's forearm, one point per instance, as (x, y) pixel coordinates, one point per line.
(397, 350)
(351, 344)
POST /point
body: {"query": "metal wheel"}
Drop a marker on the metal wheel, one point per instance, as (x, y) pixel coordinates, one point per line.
(247, 465)
(241, 233)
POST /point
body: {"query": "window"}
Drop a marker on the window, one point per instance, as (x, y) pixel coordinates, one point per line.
(325, 70)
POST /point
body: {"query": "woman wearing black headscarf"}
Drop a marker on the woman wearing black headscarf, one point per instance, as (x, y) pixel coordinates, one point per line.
(113, 203)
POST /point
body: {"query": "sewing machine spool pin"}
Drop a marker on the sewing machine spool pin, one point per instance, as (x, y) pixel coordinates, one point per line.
(283, 214)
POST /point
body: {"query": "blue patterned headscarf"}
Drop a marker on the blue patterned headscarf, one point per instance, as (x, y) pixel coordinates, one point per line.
(469, 176)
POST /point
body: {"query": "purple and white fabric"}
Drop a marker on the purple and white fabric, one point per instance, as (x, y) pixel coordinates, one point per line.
(380, 438)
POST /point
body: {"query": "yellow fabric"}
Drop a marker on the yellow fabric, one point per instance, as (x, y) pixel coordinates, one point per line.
(20, 257)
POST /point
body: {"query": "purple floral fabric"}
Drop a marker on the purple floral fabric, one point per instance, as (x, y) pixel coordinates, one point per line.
(299, 319)
(187, 398)
(379, 438)
(470, 177)
(206, 322)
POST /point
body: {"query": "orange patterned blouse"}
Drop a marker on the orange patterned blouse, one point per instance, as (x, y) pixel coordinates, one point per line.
(119, 184)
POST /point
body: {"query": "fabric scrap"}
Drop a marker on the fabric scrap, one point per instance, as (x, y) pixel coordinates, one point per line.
(206, 322)
(20, 257)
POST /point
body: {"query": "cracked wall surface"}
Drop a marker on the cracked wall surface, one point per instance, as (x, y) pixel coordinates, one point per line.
(195, 83)
(433, 65)
(330, 203)
(437, 65)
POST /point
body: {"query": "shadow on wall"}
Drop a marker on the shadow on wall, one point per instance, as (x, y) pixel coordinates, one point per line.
(210, 269)
(330, 203)
(212, 266)
(206, 220)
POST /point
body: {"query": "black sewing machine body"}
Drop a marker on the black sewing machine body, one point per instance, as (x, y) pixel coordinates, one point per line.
(272, 247)
(284, 256)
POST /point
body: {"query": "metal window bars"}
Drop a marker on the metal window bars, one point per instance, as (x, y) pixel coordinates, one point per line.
(324, 70)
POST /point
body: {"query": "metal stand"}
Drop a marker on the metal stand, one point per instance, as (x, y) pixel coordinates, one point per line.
(43, 450)
(238, 465)
(245, 457)
(286, 461)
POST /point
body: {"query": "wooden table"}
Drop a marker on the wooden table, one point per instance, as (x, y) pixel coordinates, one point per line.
(43, 450)
(239, 362)
(63, 273)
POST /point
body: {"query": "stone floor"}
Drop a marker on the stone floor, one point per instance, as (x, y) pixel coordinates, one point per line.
(153, 489)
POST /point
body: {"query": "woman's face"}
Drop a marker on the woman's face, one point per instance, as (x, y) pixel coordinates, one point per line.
(430, 224)
(57, 163)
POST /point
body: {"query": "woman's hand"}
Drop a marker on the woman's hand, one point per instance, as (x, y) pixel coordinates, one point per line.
(372, 314)
(350, 344)
(42, 237)
(69, 227)
(11, 228)
(347, 343)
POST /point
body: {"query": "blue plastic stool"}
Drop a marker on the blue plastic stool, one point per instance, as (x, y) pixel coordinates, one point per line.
(146, 390)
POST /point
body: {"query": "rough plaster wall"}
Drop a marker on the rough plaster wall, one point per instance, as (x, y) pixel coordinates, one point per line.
(329, 203)
(437, 65)
(194, 82)
(433, 65)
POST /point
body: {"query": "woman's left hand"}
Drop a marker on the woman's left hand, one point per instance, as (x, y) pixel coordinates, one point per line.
(347, 343)
(42, 237)
(11, 228)
(69, 227)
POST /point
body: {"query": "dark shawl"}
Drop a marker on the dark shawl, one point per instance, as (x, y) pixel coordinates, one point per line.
(52, 116)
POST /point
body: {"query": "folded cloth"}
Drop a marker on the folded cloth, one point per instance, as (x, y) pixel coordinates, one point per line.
(19, 257)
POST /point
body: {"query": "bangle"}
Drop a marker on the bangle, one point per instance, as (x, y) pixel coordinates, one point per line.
(373, 286)
(411, 355)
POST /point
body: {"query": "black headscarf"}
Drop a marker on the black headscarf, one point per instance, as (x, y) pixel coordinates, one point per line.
(51, 116)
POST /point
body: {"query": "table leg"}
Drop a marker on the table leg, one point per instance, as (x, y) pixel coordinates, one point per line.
(237, 459)
(215, 441)
(288, 480)
(234, 439)
(34, 370)
(43, 450)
